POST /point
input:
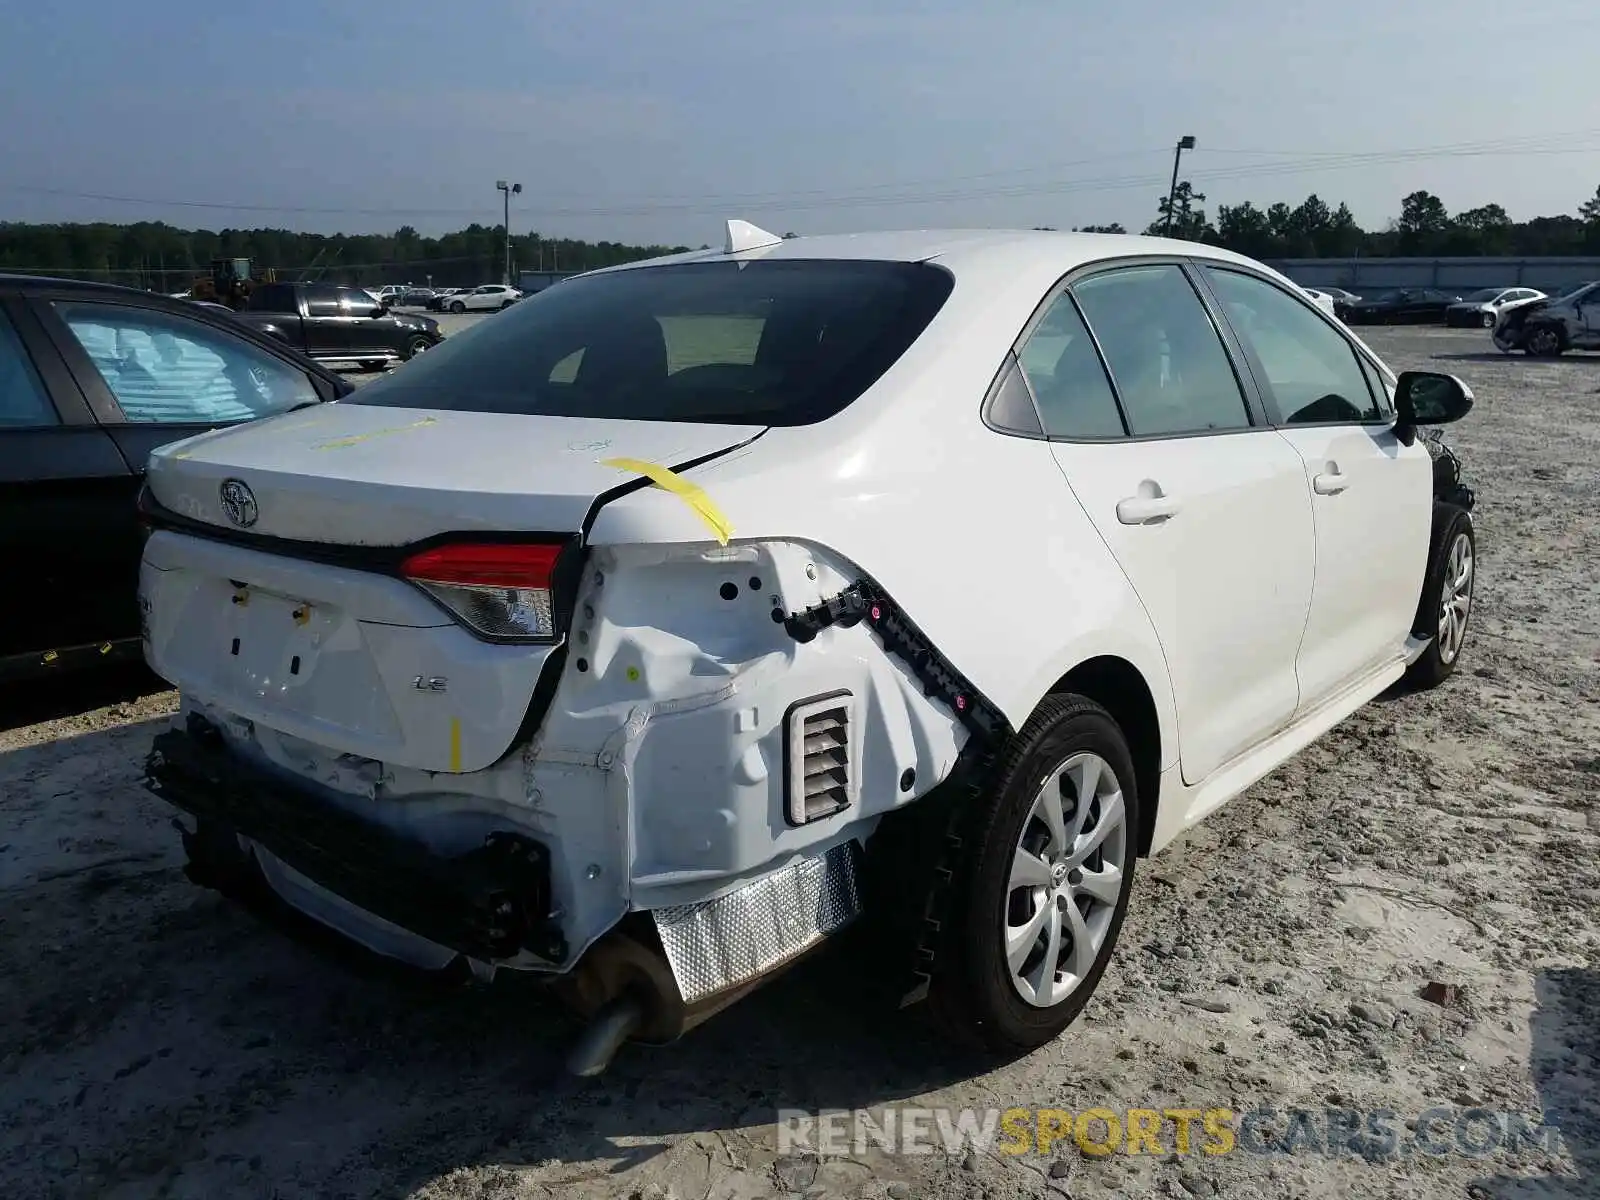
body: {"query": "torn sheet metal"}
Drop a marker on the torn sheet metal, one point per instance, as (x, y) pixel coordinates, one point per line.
(719, 943)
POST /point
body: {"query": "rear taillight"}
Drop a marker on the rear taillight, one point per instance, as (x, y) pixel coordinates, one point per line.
(503, 592)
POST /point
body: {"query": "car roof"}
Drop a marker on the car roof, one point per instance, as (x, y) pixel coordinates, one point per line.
(55, 284)
(953, 247)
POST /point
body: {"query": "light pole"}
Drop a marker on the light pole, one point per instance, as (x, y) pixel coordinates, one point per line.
(1184, 143)
(513, 189)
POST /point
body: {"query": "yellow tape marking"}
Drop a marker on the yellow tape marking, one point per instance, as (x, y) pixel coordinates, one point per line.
(455, 743)
(691, 494)
(356, 439)
(105, 648)
(50, 656)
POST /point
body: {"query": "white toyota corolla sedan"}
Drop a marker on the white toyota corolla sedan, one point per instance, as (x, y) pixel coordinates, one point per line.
(653, 632)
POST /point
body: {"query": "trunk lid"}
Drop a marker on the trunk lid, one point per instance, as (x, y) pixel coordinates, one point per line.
(352, 659)
(350, 474)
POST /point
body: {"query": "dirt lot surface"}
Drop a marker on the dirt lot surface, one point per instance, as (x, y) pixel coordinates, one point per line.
(156, 1041)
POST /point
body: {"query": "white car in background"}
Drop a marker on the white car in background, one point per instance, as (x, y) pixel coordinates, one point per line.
(657, 630)
(1339, 294)
(1323, 300)
(488, 297)
(1483, 308)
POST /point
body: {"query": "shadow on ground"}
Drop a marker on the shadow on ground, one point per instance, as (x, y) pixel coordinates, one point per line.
(1566, 1067)
(52, 697)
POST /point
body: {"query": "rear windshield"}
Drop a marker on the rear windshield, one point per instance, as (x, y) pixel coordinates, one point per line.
(784, 342)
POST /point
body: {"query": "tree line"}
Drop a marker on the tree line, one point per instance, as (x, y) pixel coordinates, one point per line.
(166, 258)
(1424, 228)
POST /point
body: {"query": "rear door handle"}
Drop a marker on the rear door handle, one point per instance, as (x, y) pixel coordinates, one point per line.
(1330, 483)
(1146, 510)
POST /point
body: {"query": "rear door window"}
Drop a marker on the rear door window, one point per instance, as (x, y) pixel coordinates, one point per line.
(163, 368)
(1167, 361)
(764, 342)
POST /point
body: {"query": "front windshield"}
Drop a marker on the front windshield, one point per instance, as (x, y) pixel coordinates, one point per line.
(1484, 295)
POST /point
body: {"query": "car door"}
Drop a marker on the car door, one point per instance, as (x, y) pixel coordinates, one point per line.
(330, 328)
(152, 377)
(1203, 505)
(66, 507)
(1370, 495)
(365, 331)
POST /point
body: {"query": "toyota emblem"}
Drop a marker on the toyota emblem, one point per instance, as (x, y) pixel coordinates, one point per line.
(239, 502)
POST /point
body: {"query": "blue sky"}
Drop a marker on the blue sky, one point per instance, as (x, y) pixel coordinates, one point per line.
(645, 120)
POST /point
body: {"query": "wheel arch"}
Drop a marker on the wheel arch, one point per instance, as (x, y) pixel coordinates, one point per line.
(1121, 689)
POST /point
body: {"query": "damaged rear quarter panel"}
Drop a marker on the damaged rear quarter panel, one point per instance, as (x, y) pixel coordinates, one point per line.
(678, 684)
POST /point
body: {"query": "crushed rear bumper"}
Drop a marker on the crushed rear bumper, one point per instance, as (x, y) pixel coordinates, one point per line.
(489, 904)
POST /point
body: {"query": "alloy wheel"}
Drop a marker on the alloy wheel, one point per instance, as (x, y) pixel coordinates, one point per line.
(1455, 598)
(1066, 879)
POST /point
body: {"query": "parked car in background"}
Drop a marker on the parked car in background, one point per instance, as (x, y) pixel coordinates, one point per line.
(1481, 308)
(479, 299)
(389, 293)
(92, 379)
(1550, 327)
(415, 298)
(333, 323)
(1322, 300)
(1339, 294)
(440, 299)
(650, 526)
(1403, 306)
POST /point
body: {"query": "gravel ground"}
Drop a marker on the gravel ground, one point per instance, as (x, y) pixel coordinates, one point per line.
(156, 1041)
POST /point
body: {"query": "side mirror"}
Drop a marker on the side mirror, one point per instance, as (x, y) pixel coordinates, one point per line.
(1428, 398)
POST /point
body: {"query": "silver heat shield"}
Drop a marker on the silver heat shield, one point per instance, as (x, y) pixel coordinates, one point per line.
(719, 943)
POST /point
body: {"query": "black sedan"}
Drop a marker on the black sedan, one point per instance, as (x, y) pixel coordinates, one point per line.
(92, 379)
(1405, 306)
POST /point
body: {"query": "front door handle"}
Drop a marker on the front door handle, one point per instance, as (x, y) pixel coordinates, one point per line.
(1330, 483)
(1146, 510)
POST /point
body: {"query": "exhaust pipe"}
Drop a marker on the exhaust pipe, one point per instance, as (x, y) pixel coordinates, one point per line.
(624, 990)
(612, 1026)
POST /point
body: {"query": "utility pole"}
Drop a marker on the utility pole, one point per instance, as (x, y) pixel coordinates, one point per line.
(1184, 143)
(509, 190)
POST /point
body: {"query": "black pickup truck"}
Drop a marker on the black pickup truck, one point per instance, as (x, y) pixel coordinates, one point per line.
(332, 323)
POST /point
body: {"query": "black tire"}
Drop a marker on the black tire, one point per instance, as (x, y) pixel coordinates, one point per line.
(372, 364)
(1488, 320)
(457, 307)
(972, 994)
(1543, 341)
(1438, 662)
(414, 347)
(506, 305)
